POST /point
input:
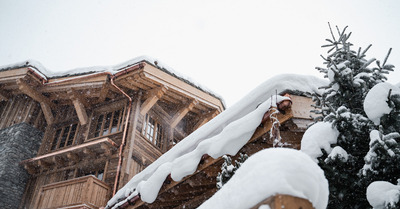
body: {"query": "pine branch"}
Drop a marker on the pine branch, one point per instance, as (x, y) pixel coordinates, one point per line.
(387, 56)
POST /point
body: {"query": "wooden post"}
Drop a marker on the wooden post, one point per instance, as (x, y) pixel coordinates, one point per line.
(132, 138)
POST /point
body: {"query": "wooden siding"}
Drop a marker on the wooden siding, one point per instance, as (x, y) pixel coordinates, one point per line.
(19, 109)
(86, 190)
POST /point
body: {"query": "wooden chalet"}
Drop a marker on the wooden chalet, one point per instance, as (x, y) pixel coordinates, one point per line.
(100, 128)
(198, 187)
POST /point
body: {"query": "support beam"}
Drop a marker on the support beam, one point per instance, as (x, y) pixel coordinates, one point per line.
(107, 149)
(205, 119)
(103, 92)
(89, 152)
(58, 160)
(44, 164)
(3, 94)
(48, 115)
(181, 113)
(45, 102)
(73, 157)
(154, 96)
(79, 107)
(30, 91)
(31, 169)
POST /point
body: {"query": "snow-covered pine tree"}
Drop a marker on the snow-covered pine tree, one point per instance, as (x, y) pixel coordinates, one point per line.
(228, 169)
(342, 104)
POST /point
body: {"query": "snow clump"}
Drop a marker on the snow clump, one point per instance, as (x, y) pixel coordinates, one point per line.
(383, 194)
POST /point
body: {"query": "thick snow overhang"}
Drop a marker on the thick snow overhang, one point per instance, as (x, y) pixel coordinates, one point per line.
(194, 162)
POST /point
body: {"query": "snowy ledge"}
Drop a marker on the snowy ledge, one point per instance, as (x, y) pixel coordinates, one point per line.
(225, 134)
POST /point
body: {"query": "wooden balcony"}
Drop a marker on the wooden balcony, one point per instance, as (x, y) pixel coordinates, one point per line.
(84, 193)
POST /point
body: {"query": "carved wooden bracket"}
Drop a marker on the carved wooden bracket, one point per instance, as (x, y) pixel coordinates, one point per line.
(45, 102)
(154, 96)
(181, 113)
(3, 94)
(79, 105)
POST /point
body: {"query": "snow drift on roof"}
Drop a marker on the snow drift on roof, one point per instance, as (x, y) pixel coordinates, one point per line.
(270, 172)
(235, 125)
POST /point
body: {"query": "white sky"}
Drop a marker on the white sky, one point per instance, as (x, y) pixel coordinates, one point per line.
(228, 46)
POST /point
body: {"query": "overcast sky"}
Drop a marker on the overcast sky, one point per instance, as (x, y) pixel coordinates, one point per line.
(228, 46)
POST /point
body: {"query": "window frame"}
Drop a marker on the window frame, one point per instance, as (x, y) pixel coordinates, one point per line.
(98, 126)
(58, 138)
(153, 131)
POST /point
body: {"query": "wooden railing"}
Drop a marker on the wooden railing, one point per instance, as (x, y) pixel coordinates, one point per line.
(84, 192)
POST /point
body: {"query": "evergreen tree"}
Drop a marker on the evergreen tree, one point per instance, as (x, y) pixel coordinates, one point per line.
(383, 158)
(342, 104)
(228, 169)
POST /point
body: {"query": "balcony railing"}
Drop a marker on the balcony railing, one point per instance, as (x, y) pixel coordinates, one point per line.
(84, 192)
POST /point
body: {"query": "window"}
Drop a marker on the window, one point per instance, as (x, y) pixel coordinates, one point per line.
(65, 136)
(108, 123)
(153, 131)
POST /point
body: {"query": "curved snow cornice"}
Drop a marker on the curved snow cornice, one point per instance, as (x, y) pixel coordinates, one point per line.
(47, 74)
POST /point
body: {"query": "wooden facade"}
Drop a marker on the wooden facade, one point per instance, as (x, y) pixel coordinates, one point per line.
(100, 129)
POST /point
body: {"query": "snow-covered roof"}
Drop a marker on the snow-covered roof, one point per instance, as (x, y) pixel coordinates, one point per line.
(270, 172)
(224, 134)
(47, 74)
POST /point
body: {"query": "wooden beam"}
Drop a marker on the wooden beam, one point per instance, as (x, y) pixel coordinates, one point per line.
(30, 168)
(181, 113)
(48, 115)
(58, 160)
(73, 157)
(44, 164)
(45, 102)
(103, 92)
(93, 143)
(198, 200)
(79, 107)
(30, 91)
(154, 96)
(88, 152)
(205, 119)
(107, 149)
(3, 94)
